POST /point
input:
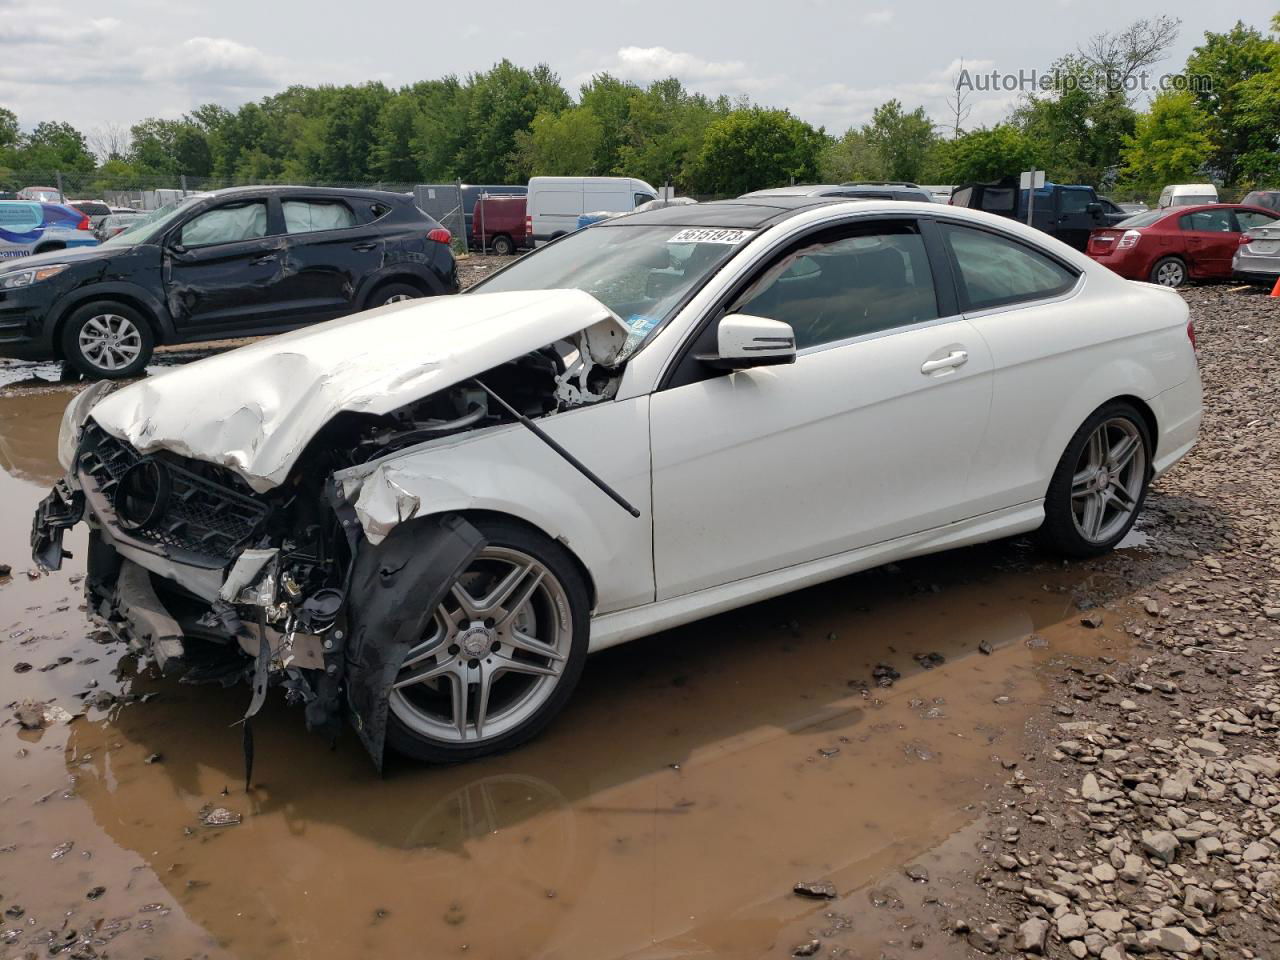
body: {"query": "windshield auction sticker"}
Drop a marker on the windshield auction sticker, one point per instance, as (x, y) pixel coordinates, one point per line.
(711, 235)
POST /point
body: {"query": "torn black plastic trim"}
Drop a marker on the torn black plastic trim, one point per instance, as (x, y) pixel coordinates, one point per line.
(61, 509)
(394, 591)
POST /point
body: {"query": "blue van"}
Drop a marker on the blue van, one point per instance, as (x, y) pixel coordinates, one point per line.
(27, 226)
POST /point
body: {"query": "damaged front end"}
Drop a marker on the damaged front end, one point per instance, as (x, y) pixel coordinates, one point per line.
(216, 580)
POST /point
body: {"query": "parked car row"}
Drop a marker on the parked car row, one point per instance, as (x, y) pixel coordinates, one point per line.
(239, 262)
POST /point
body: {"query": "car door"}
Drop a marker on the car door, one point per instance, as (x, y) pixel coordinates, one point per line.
(1044, 343)
(1210, 237)
(868, 436)
(1075, 219)
(331, 247)
(223, 268)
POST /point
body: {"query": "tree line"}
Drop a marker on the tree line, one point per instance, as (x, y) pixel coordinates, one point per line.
(509, 123)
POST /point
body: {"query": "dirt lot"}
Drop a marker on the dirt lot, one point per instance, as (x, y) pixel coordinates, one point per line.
(984, 752)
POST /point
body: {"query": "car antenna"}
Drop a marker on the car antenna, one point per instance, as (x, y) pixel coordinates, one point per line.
(574, 462)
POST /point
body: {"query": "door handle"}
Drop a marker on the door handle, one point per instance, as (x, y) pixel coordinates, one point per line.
(266, 258)
(364, 247)
(956, 358)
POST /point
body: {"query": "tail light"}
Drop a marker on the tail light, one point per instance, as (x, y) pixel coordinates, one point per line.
(1191, 335)
(1129, 239)
(440, 235)
(528, 225)
(83, 224)
(1244, 238)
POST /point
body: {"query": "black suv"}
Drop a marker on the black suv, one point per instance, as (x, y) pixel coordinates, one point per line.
(1069, 212)
(239, 262)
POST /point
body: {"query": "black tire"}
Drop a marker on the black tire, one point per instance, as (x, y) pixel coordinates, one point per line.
(503, 246)
(1169, 272)
(1061, 531)
(133, 347)
(393, 293)
(556, 560)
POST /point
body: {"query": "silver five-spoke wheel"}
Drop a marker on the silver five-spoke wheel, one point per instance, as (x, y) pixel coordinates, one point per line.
(1107, 484)
(110, 342)
(496, 650)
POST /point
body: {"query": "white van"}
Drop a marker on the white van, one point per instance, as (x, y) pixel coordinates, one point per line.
(556, 203)
(1188, 194)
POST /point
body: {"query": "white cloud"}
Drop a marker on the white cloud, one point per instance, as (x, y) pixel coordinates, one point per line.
(214, 62)
(883, 15)
(657, 63)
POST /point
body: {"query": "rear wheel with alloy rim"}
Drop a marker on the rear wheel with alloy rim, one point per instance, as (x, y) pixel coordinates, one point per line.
(1169, 272)
(1100, 483)
(106, 340)
(501, 655)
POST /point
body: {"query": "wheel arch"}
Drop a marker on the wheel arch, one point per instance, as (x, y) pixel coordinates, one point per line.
(532, 527)
(376, 283)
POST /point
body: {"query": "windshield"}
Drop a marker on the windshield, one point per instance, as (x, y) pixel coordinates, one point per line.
(641, 273)
(151, 223)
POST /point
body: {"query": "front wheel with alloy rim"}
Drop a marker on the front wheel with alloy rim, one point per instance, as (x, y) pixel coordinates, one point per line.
(106, 340)
(1169, 272)
(1100, 483)
(501, 655)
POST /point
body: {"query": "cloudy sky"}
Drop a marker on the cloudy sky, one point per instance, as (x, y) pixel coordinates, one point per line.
(830, 61)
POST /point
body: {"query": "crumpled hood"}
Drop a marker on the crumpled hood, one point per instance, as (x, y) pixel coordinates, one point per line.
(254, 409)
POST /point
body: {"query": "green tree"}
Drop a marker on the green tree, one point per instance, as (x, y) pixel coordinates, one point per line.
(902, 140)
(1169, 144)
(10, 133)
(501, 103)
(749, 149)
(441, 128)
(609, 100)
(665, 131)
(852, 157)
(55, 146)
(1222, 69)
(392, 156)
(562, 145)
(986, 154)
(349, 132)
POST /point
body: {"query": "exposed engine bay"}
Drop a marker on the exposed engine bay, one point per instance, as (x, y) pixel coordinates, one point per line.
(218, 583)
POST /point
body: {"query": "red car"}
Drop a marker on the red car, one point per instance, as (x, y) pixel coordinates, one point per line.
(499, 223)
(1177, 244)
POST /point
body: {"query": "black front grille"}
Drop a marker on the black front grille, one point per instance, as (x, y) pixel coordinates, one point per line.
(205, 518)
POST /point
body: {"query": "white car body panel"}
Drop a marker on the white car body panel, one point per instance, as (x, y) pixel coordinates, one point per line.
(508, 470)
(254, 409)
(775, 466)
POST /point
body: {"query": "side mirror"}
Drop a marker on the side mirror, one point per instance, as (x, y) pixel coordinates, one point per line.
(177, 247)
(744, 341)
(1094, 210)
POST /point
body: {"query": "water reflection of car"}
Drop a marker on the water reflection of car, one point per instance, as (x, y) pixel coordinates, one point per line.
(247, 261)
(443, 507)
(30, 227)
(1172, 245)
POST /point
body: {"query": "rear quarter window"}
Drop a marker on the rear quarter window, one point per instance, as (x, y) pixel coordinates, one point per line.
(994, 270)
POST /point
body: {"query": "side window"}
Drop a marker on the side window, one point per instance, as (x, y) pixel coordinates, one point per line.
(1075, 201)
(1213, 221)
(857, 282)
(20, 217)
(993, 270)
(228, 224)
(308, 216)
(1248, 219)
(640, 198)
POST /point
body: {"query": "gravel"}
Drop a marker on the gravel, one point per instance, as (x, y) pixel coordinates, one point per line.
(1149, 822)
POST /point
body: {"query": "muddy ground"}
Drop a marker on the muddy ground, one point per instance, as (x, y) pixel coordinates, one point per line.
(1073, 760)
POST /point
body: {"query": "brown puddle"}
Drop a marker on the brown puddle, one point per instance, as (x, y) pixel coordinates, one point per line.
(695, 776)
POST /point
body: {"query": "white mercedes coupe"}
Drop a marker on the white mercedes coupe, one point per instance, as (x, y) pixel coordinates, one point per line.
(421, 519)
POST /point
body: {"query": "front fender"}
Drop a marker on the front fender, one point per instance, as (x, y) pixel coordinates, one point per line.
(119, 289)
(508, 470)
